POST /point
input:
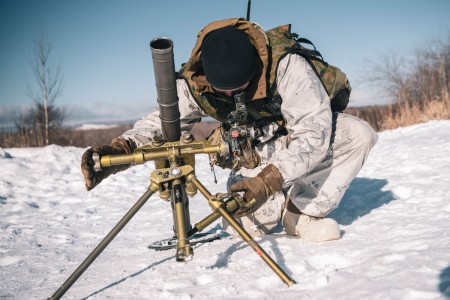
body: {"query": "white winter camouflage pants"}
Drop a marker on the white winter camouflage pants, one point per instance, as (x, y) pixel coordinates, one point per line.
(320, 191)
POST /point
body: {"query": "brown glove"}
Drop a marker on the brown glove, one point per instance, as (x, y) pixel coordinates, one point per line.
(215, 138)
(248, 158)
(91, 177)
(265, 184)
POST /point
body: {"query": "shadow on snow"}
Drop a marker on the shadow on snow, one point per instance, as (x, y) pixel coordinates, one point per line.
(362, 196)
(444, 283)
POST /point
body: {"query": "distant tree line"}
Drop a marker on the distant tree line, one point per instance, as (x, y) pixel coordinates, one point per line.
(420, 86)
(38, 126)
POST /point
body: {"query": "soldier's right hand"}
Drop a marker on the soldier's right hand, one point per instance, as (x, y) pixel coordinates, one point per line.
(91, 177)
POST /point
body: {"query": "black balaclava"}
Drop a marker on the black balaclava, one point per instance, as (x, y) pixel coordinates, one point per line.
(229, 59)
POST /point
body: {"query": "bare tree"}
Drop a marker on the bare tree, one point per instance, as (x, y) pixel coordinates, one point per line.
(419, 83)
(389, 71)
(49, 80)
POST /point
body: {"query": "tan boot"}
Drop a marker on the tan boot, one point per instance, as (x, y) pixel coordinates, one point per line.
(309, 228)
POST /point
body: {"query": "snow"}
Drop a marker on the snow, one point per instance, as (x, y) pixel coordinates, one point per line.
(395, 220)
(88, 126)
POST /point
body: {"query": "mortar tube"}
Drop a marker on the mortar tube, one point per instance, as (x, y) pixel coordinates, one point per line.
(166, 88)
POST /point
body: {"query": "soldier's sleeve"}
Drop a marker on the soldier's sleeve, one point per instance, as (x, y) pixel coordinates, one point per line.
(306, 108)
(145, 129)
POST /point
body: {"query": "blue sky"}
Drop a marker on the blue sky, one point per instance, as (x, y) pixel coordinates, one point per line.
(103, 46)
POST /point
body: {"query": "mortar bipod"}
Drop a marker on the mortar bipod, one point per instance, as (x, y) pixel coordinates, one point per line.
(176, 181)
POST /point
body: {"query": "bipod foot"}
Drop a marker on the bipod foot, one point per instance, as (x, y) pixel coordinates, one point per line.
(185, 253)
(171, 243)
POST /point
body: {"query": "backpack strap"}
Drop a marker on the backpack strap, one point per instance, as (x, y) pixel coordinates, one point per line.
(299, 49)
(333, 79)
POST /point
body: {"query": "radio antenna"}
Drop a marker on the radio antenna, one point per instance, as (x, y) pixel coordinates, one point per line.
(248, 9)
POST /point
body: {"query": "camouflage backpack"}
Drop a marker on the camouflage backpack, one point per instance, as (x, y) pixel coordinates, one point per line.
(283, 42)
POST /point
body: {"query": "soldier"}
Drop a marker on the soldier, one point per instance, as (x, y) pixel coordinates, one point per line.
(299, 168)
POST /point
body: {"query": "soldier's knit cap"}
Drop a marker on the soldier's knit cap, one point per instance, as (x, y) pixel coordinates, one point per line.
(229, 59)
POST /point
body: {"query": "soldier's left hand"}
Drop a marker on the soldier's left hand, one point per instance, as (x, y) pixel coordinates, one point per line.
(265, 184)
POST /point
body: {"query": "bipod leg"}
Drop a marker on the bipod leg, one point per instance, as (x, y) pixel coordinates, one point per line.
(103, 244)
(184, 250)
(219, 207)
(214, 216)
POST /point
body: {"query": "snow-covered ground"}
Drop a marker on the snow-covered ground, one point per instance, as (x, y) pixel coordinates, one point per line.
(89, 126)
(395, 220)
